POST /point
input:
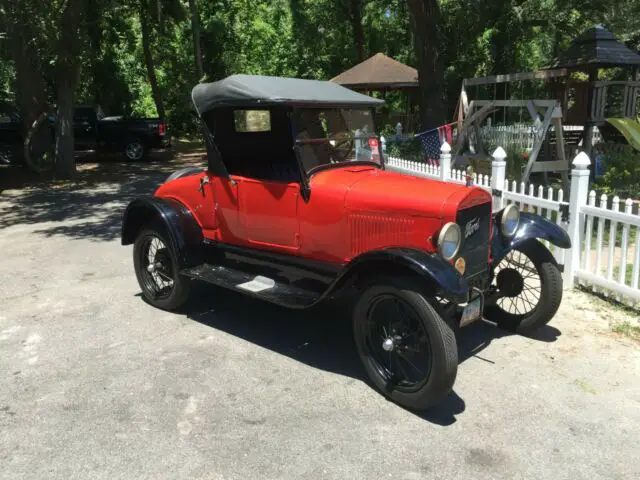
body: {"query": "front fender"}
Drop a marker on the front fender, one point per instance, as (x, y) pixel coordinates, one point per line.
(431, 268)
(183, 231)
(531, 226)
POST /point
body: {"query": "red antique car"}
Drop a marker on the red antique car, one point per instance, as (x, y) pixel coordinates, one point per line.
(296, 207)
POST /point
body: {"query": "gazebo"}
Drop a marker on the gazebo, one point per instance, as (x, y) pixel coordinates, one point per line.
(382, 74)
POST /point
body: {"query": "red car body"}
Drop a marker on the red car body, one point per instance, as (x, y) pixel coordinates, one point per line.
(353, 209)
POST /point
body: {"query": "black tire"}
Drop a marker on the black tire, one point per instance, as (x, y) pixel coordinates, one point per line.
(435, 336)
(550, 289)
(164, 298)
(135, 150)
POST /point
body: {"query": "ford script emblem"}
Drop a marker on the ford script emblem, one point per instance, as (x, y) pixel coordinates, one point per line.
(472, 227)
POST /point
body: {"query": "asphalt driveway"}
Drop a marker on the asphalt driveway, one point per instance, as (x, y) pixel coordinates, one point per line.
(95, 383)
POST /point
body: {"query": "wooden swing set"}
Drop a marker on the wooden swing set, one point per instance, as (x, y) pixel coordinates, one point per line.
(563, 122)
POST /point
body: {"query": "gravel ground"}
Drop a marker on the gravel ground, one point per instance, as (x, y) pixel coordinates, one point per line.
(95, 383)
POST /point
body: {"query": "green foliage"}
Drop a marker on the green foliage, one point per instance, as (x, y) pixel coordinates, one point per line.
(622, 171)
(303, 38)
(410, 150)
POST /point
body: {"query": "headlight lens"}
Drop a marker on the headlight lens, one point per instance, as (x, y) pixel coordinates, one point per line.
(510, 220)
(449, 240)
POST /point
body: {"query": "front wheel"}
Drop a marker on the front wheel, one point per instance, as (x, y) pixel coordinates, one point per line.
(157, 270)
(408, 351)
(529, 285)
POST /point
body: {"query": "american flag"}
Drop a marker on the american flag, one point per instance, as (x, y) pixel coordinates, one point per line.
(432, 140)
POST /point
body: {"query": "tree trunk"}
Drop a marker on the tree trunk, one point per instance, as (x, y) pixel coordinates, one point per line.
(357, 30)
(148, 60)
(65, 151)
(30, 92)
(425, 19)
(67, 73)
(195, 28)
(100, 78)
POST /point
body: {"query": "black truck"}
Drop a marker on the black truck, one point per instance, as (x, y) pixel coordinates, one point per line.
(134, 137)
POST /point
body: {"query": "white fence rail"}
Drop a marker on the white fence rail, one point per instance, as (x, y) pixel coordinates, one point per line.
(613, 264)
(605, 253)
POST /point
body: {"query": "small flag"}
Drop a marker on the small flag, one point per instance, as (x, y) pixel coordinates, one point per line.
(432, 141)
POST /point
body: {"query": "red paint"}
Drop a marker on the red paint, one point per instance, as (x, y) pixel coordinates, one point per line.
(351, 209)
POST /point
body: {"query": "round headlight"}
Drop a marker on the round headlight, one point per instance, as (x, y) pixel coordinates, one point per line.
(449, 240)
(510, 220)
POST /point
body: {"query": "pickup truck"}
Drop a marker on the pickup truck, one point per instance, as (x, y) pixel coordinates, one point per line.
(134, 137)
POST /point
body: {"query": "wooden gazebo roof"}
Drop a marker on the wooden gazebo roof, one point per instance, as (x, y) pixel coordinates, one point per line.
(379, 73)
(596, 47)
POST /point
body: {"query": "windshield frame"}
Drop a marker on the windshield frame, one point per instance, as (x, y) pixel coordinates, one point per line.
(308, 173)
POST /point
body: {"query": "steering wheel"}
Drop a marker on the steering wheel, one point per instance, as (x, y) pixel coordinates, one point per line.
(339, 142)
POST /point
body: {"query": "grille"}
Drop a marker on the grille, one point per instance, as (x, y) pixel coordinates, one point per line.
(371, 231)
(475, 225)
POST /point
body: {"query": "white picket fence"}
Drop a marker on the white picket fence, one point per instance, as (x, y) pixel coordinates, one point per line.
(605, 253)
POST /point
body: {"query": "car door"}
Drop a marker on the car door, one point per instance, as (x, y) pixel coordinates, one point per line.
(227, 209)
(268, 210)
(84, 120)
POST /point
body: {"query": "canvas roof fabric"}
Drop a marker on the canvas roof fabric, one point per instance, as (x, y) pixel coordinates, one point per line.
(379, 72)
(596, 46)
(244, 90)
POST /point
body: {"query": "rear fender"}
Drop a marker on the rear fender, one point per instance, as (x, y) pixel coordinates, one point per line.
(531, 226)
(183, 231)
(430, 270)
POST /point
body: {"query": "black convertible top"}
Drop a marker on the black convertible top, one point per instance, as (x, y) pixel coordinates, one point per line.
(244, 90)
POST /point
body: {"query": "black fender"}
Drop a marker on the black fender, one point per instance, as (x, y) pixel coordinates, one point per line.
(430, 268)
(531, 226)
(181, 227)
(185, 172)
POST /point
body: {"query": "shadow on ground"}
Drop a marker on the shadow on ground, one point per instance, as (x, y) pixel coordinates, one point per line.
(91, 205)
(323, 339)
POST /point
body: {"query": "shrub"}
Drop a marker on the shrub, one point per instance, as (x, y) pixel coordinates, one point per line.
(621, 170)
(410, 149)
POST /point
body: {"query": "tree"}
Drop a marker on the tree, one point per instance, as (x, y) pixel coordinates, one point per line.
(352, 10)
(425, 20)
(25, 51)
(195, 27)
(67, 71)
(145, 28)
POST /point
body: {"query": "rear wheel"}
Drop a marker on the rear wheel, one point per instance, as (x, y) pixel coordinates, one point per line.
(408, 351)
(135, 150)
(530, 286)
(157, 270)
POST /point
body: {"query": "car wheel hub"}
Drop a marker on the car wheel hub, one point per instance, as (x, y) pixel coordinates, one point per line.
(134, 150)
(388, 344)
(510, 282)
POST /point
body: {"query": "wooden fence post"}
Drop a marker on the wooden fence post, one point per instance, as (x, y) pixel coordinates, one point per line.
(578, 196)
(498, 173)
(445, 162)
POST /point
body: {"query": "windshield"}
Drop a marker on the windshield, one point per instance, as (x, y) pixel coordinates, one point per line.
(327, 136)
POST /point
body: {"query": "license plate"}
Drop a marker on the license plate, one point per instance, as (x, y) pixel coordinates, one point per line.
(472, 311)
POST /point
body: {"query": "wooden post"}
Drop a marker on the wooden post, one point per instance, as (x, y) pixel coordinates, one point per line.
(577, 199)
(587, 138)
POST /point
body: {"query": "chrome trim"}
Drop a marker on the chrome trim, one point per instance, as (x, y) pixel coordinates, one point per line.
(504, 215)
(442, 234)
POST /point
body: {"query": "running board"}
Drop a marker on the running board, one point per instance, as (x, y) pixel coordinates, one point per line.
(255, 285)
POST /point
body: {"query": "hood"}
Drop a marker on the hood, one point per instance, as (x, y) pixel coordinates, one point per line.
(371, 189)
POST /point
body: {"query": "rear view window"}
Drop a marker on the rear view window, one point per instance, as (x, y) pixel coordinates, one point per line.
(252, 120)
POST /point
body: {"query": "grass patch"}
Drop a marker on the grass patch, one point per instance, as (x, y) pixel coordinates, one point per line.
(627, 330)
(628, 275)
(585, 387)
